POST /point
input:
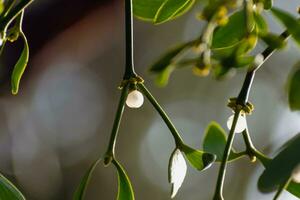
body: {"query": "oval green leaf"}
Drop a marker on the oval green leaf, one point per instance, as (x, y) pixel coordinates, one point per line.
(81, 189)
(260, 24)
(294, 88)
(279, 169)
(215, 141)
(274, 41)
(171, 9)
(168, 58)
(290, 22)
(198, 159)
(232, 33)
(20, 66)
(125, 191)
(8, 191)
(160, 11)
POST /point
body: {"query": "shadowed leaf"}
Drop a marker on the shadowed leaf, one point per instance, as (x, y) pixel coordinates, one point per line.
(280, 168)
(8, 191)
(20, 66)
(81, 189)
(198, 159)
(294, 88)
(125, 191)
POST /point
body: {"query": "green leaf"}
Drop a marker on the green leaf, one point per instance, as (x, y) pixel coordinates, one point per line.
(260, 24)
(293, 90)
(274, 41)
(294, 188)
(163, 77)
(81, 189)
(215, 141)
(290, 22)
(243, 61)
(125, 191)
(198, 159)
(171, 9)
(20, 66)
(168, 58)
(160, 11)
(8, 191)
(279, 169)
(232, 33)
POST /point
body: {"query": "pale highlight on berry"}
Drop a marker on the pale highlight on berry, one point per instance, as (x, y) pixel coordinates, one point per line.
(135, 99)
(177, 171)
(296, 174)
(241, 124)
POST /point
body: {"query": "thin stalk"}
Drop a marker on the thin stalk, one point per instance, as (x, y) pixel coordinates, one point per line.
(129, 64)
(267, 53)
(252, 151)
(19, 20)
(281, 189)
(222, 171)
(110, 153)
(178, 140)
(14, 12)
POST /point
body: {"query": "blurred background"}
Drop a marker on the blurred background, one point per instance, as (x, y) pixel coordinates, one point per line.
(61, 120)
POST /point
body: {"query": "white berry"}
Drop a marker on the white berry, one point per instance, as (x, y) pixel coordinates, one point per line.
(296, 174)
(135, 99)
(241, 124)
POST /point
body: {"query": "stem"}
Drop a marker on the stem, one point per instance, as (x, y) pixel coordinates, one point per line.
(252, 151)
(228, 147)
(244, 93)
(129, 65)
(19, 20)
(281, 189)
(110, 153)
(15, 11)
(178, 140)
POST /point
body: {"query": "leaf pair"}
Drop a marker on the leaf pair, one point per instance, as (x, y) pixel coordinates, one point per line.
(279, 170)
(125, 191)
(160, 11)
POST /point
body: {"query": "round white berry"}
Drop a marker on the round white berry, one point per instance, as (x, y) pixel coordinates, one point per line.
(241, 124)
(135, 99)
(296, 174)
